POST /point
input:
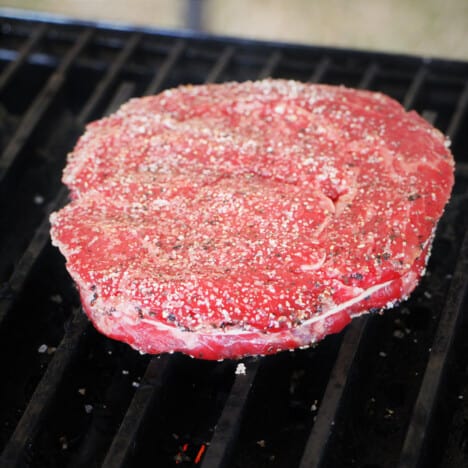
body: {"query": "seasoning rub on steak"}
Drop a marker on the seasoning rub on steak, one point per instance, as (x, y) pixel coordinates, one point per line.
(248, 218)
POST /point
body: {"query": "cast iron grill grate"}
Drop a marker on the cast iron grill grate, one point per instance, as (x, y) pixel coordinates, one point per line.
(377, 395)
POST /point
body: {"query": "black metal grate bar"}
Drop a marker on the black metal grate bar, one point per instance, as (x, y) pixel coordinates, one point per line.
(415, 88)
(270, 65)
(40, 105)
(130, 427)
(165, 69)
(459, 114)
(461, 169)
(340, 379)
(41, 237)
(15, 451)
(419, 427)
(220, 65)
(416, 437)
(320, 70)
(23, 54)
(109, 78)
(430, 116)
(124, 92)
(343, 370)
(369, 76)
(144, 399)
(228, 426)
(28, 259)
(335, 394)
(42, 397)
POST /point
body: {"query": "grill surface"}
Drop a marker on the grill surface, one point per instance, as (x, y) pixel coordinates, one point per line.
(387, 392)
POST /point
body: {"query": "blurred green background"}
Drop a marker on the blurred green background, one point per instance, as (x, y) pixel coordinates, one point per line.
(423, 27)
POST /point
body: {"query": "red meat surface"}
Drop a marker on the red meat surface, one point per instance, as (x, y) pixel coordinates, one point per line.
(249, 218)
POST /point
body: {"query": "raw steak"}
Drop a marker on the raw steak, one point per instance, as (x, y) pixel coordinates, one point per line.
(241, 219)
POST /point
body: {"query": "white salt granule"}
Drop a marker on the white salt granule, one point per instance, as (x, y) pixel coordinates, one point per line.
(241, 369)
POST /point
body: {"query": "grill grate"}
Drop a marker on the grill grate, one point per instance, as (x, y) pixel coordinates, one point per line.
(379, 394)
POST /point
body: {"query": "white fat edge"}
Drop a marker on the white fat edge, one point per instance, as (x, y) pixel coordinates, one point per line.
(344, 305)
(333, 310)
